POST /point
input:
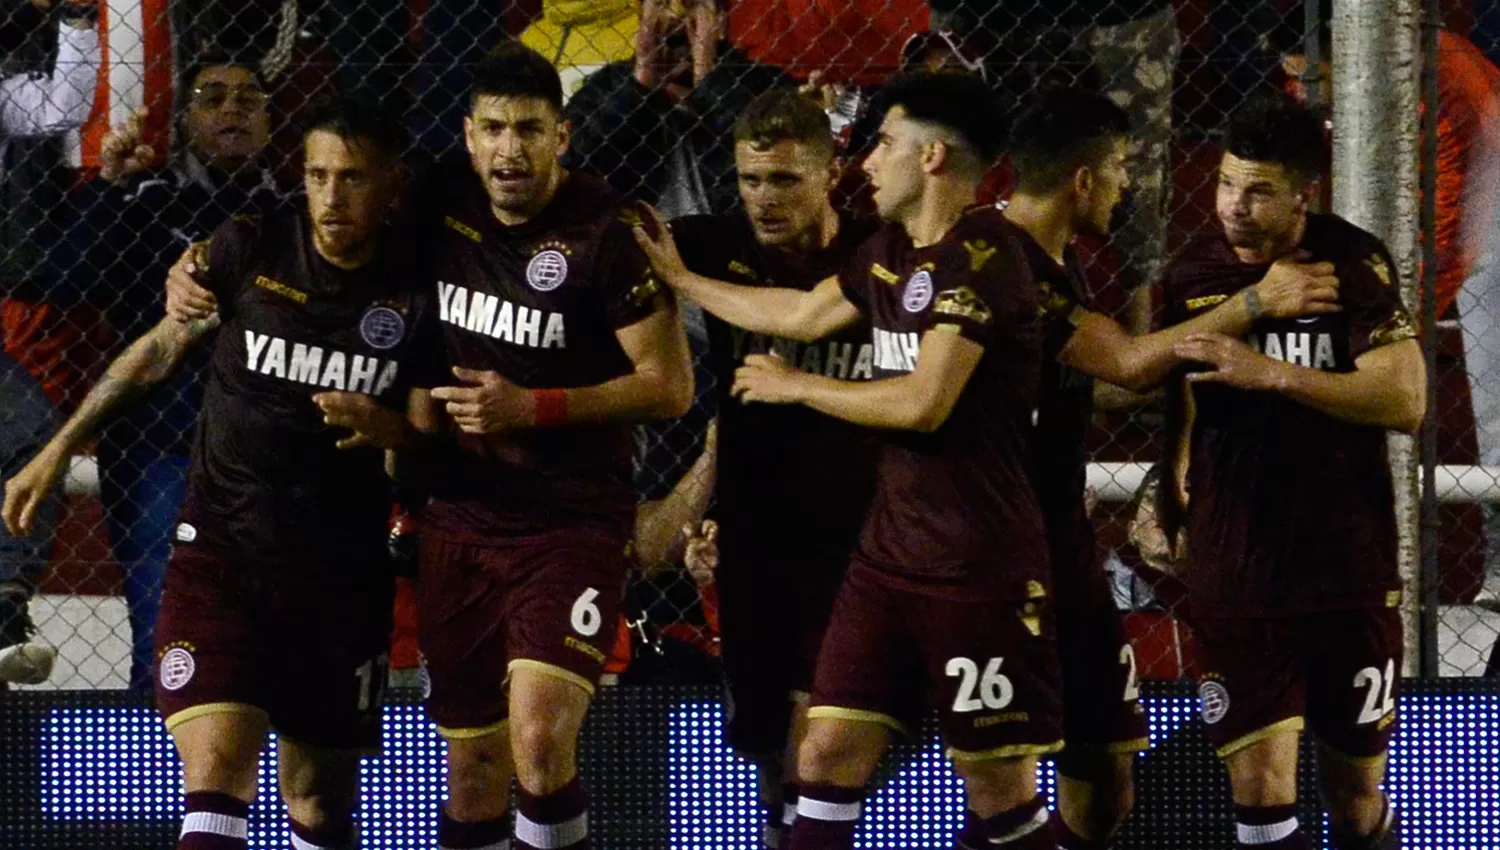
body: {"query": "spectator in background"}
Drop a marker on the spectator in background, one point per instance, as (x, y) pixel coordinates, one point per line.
(27, 421)
(580, 37)
(659, 128)
(1467, 230)
(39, 106)
(130, 231)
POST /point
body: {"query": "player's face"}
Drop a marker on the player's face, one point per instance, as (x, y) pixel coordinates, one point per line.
(785, 189)
(1260, 204)
(226, 121)
(514, 144)
(350, 189)
(895, 165)
(1109, 180)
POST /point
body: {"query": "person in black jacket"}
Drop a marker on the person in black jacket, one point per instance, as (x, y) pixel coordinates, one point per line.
(116, 255)
(660, 128)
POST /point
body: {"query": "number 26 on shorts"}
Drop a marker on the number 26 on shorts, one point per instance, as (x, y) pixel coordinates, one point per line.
(990, 690)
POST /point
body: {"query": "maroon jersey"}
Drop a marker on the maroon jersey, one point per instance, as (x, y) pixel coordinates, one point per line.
(267, 479)
(1289, 510)
(539, 303)
(1065, 399)
(956, 506)
(789, 478)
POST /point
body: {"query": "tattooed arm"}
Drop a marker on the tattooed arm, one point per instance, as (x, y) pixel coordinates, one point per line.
(147, 362)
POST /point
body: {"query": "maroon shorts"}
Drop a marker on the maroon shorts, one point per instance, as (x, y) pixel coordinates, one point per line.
(1101, 689)
(549, 602)
(308, 653)
(1337, 673)
(990, 667)
(772, 615)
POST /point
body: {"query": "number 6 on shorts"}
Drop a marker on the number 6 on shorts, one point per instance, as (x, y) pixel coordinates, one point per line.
(995, 689)
(586, 616)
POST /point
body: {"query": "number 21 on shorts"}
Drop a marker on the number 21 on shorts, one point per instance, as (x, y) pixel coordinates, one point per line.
(990, 690)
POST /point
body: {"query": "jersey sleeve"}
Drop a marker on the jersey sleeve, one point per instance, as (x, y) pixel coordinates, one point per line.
(855, 275)
(632, 290)
(428, 359)
(223, 263)
(983, 290)
(1368, 288)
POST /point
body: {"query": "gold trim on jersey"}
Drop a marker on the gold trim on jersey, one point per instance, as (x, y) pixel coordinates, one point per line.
(470, 733)
(740, 268)
(1007, 752)
(980, 252)
(1397, 328)
(204, 710)
(884, 274)
(833, 712)
(1291, 724)
(964, 303)
(1381, 269)
(459, 227)
(1206, 301)
(280, 288)
(552, 670)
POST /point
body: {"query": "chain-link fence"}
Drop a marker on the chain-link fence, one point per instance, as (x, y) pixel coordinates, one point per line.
(134, 127)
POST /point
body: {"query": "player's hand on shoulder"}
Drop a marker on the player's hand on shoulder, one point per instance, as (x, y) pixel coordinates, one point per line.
(485, 402)
(1294, 286)
(1232, 362)
(187, 300)
(28, 489)
(654, 236)
(767, 378)
(373, 423)
(701, 554)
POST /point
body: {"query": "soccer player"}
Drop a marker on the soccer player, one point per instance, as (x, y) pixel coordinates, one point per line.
(792, 484)
(1282, 470)
(277, 602)
(560, 338)
(1069, 151)
(948, 592)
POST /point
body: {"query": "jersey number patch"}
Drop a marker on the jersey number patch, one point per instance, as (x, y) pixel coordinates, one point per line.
(1378, 700)
(988, 690)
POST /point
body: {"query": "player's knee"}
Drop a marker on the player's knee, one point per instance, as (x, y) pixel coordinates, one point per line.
(478, 778)
(835, 756)
(1263, 781)
(543, 749)
(213, 766)
(997, 785)
(321, 811)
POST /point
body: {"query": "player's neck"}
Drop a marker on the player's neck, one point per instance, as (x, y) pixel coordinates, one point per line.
(354, 258)
(1274, 249)
(820, 237)
(940, 207)
(1048, 222)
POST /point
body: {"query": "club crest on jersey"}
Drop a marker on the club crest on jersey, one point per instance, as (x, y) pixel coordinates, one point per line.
(918, 293)
(1213, 700)
(547, 270)
(382, 328)
(177, 667)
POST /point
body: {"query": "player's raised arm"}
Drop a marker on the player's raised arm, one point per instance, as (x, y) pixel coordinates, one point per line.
(148, 361)
(919, 401)
(786, 313)
(659, 523)
(1101, 347)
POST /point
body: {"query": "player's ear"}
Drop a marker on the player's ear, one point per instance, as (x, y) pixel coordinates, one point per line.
(935, 155)
(1083, 182)
(564, 135)
(469, 133)
(1311, 190)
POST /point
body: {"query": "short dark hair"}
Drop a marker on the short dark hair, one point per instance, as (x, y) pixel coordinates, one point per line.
(515, 70)
(961, 103)
(1062, 130)
(783, 115)
(214, 59)
(359, 117)
(1272, 127)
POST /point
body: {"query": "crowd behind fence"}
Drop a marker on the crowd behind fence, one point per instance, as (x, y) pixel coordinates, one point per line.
(132, 128)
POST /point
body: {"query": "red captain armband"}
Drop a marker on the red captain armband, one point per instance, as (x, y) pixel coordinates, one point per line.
(551, 408)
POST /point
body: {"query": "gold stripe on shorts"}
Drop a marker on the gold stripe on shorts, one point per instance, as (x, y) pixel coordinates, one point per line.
(1291, 724)
(552, 670)
(1134, 745)
(468, 734)
(1357, 761)
(1008, 752)
(204, 710)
